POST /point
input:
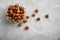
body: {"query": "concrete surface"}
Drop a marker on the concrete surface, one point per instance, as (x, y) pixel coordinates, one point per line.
(46, 29)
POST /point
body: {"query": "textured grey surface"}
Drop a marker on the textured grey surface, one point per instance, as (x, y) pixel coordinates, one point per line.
(46, 29)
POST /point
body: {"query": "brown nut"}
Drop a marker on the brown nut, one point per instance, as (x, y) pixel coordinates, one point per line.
(19, 17)
(46, 16)
(18, 21)
(15, 10)
(20, 24)
(17, 14)
(33, 15)
(21, 8)
(10, 12)
(18, 11)
(38, 19)
(24, 21)
(10, 19)
(16, 5)
(22, 12)
(36, 10)
(14, 14)
(10, 7)
(27, 17)
(26, 27)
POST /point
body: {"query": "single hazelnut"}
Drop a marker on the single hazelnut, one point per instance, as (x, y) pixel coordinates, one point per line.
(15, 10)
(22, 17)
(18, 21)
(38, 19)
(21, 8)
(14, 14)
(33, 15)
(36, 10)
(24, 21)
(16, 5)
(20, 24)
(26, 27)
(22, 12)
(19, 17)
(27, 17)
(11, 19)
(10, 7)
(46, 16)
(17, 14)
(10, 11)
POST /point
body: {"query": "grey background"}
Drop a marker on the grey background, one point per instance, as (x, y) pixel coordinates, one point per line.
(46, 29)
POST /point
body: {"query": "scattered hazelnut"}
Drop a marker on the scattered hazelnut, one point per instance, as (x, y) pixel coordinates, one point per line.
(27, 17)
(46, 16)
(24, 21)
(36, 10)
(33, 15)
(26, 27)
(38, 19)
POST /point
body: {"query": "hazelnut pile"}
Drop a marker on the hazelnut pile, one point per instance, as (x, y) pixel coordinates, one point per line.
(15, 13)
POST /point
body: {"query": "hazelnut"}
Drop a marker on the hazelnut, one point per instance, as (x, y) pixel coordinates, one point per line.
(21, 8)
(17, 14)
(19, 17)
(22, 17)
(26, 27)
(18, 21)
(14, 14)
(20, 24)
(10, 8)
(36, 10)
(18, 11)
(33, 15)
(38, 19)
(10, 19)
(27, 17)
(15, 10)
(24, 21)
(10, 11)
(16, 5)
(21, 12)
(46, 16)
